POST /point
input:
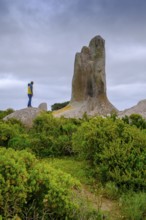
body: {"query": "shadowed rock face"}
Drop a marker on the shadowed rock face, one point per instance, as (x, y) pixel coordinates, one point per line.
(89, 82)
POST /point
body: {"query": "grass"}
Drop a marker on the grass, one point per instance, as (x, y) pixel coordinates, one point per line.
(130, 206)
(77, 169)
(133, 206)
(90, 192)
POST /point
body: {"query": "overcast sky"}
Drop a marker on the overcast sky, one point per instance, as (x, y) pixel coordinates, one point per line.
(39, 40)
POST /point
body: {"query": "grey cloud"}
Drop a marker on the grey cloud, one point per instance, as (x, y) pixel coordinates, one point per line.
(4, 9)
(39, 39)
(127, 94)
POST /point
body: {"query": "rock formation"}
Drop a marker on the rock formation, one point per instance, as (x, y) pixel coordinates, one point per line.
(89, 82)
(140, 109)
(27, 115)
(89, 72)
(43, 106)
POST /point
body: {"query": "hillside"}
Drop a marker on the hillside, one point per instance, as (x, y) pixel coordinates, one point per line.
(71, 168)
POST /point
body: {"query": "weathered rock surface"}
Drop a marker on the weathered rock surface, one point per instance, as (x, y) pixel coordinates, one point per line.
(27, 115)
(43, 106)
(89, 82)
(140, 108)
(89, 72)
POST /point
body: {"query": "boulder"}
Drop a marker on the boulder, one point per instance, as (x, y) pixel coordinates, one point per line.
(43, 106)
(26, 115)
(139, 108)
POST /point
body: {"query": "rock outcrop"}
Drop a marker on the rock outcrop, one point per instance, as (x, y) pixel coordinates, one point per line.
(43, 106)
(27, 115)
(140, 109)
(89, 83)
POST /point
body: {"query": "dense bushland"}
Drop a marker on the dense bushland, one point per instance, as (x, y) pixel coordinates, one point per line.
(135, 119)
(34, 190)
(52, 136)
(11, 130)
(49, 136)
(115, 150)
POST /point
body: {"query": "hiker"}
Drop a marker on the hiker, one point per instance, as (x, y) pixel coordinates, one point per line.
(30, 93)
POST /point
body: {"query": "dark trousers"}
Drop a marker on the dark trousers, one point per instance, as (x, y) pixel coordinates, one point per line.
(29, 100)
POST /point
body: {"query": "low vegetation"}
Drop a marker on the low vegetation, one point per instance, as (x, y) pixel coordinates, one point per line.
(32, 189)
(115, 151)
(5, 113)
(71, 168)
(58, 106)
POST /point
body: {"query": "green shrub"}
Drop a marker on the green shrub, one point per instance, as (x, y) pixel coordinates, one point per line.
(31, 189)
(49, 136)
(111, 191)
(57, 106)
(7, 131)
(14, 121)
(11, 129)
(116, 151)
(53, 136)
(20, 142)
(5, 113)
(133, 206)
(45, 123)
(13, 181)
(135, 119)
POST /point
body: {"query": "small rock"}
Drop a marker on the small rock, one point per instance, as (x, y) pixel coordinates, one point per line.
(43, 106)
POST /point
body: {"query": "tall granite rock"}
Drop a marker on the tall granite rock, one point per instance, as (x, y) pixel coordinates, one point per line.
(89, 82)
(89, 72)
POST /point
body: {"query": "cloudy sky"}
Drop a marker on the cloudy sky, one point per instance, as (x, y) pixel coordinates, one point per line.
(39, 40)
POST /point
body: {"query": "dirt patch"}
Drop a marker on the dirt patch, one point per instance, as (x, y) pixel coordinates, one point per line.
(99, 202)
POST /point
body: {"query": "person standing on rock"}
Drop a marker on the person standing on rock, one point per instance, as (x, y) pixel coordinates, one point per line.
(30, 93)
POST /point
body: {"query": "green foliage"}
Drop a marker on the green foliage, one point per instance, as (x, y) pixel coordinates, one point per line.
(53, 136)
(13, 181)
(133, 206)
(111, 191)
(5, 113)
(116, 151)
(49, 136)
(7, 131)
(14, 121)
(10, 130)
(135, 119)
(92, 214)
(20, 142)
(57, 106)
(34, 190)
(113, 115)
(77, 168)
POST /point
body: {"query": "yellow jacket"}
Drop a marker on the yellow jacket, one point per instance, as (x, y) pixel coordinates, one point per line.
(30, 89)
